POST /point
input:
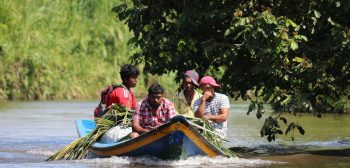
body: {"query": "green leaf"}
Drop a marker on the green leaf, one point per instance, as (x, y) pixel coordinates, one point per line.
(332, 22)
(291, 23)
(147, 27)
(279, 132)
(298, 59)
(284, 35)
(337, 4)
(262, 132)
(286, 100)
(293, 45)
(291, 126)
(317, 14)
(284, 120)
(303, 37)
(181, 45)
(269, 138)
(251, 108)
(329, 19)
(228, 32)
(301, 130)
(258, 114)
(314, 20)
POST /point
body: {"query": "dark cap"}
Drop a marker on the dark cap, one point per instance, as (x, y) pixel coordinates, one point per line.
(193, 75)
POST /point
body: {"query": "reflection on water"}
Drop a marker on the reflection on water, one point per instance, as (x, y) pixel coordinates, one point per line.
(32, 131)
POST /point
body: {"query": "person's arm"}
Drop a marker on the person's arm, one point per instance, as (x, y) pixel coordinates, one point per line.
(177, 104)
(201, 108)
(223, 113)
(133, 103)
(222, 117)
(172, 110)
(136, 120)
(137, 128)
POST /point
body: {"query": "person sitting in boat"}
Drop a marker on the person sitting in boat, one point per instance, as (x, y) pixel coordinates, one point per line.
(152, 112)
(212, 105)
(184, 99)
(125, 96)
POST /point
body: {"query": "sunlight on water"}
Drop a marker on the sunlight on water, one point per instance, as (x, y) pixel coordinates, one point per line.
(41, 152)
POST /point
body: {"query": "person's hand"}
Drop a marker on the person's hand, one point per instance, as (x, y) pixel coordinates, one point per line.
(206, 117)
(151, 128)
(147, 130)
(207, 95)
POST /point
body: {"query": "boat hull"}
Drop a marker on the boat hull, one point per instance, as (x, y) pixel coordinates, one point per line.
(176, 139)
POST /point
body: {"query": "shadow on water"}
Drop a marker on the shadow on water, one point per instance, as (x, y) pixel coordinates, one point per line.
(301, 156)
(335, 152)
(329, 148)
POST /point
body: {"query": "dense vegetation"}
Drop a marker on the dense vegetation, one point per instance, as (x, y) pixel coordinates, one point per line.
(291, 54)
(63, 50)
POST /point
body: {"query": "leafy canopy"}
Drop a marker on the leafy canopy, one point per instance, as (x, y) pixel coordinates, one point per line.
(291, 54)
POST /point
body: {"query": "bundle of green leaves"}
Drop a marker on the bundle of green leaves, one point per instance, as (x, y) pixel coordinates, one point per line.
(204, 126)
(79, 149)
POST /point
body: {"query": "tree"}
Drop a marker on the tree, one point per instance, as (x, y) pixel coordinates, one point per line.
(291, 54)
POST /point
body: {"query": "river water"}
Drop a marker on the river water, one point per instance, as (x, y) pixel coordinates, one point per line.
(32, 131)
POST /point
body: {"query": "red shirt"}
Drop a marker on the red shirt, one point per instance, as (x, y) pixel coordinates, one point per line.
(123, 96)
(149, 119)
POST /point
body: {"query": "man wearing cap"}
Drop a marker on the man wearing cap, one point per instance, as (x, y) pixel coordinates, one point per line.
(185, 98)
(212, 105)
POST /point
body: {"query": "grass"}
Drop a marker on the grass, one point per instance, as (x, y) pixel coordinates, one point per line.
(54, 50)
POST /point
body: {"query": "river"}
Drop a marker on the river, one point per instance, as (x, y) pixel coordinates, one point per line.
(32, 131)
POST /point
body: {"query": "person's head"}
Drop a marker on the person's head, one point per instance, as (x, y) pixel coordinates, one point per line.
(190, 80)
(129, 74)
(208, 83)
(155, 94)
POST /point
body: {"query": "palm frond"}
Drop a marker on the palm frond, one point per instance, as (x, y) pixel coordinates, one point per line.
(80, 147)
(204, 126)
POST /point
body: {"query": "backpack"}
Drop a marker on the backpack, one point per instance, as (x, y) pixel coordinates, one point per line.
(102, 108)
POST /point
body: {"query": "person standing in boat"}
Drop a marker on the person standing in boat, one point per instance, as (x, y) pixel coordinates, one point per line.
(184, 99)
(124, 96)
(212, 105)
(152, 112)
